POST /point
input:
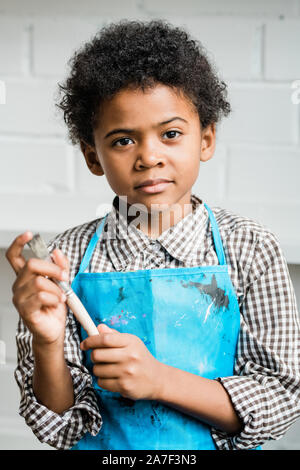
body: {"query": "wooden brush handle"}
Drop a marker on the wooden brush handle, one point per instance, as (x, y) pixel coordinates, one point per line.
(81, 314)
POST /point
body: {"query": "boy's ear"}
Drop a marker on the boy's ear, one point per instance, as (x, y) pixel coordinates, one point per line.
(91, 158)
(208, 142)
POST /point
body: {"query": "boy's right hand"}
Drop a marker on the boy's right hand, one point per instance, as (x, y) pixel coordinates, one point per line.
(39, 301)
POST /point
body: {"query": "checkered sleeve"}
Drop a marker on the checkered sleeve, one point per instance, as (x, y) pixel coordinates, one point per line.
(265, 390)
(60, 431)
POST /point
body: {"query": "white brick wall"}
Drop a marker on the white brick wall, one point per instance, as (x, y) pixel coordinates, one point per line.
(49, 58)
(44, 183)
(70, 8)
(29, 108)
(238, 56)
(43, 157)
(11, 32)
(261, 113)
(269, 170)
(219, 7)
(282, 41)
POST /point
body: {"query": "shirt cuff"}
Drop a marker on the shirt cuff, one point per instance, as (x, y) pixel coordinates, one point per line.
(64, 430)
(248, 401)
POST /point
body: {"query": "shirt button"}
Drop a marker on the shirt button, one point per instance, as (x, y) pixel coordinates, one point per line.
(155, 245)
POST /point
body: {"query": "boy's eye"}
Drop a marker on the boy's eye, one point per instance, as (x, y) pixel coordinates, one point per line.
(171, 133)
(123, 142)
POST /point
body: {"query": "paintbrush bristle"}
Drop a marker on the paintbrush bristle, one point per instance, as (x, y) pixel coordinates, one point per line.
(39, 247)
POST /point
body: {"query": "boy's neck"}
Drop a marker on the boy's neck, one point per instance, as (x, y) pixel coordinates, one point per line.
(152, 224)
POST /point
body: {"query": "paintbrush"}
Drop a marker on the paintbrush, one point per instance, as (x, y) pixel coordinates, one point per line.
(40, 250)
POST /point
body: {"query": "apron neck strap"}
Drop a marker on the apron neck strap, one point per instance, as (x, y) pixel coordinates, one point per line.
(91, 246)
(215, 232)
(216, 236)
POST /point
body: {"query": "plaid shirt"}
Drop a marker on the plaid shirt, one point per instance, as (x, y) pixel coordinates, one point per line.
(265, 387)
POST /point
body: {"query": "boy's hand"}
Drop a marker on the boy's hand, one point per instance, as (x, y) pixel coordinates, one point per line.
(123, 364)
(39, 301)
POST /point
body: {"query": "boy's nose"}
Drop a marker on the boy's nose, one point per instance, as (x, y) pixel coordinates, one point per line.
(148, 163)
(147, 158)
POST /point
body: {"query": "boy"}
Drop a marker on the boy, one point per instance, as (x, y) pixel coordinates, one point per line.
(199, 329)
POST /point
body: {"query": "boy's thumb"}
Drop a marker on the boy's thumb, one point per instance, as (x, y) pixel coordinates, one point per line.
(102, 328)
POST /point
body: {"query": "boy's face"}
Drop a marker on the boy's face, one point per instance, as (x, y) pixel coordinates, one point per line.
(149, 135)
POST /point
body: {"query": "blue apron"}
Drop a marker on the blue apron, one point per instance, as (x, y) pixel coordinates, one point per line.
(188, 318)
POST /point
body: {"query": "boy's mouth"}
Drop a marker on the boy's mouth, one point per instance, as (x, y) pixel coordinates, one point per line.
(153, 185)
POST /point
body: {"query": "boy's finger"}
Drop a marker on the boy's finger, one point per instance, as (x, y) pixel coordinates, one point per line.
(105, 340)
(38, 300)
(35, 285)
(14, 251)
(60, 259)
(35, 266)
(102, 328)
(107, 355)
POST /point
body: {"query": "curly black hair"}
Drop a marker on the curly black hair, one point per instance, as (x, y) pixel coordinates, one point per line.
(139, 54)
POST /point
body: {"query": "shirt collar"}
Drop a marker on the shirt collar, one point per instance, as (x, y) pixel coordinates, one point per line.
(124, 241)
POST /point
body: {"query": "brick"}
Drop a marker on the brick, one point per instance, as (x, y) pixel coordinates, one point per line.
(69, 7)
(50, 214)
(41, 166)
(273, 172)
(219, 7)
(283, 220)
(280, 218)
(237, 56)
(11, 36)
(51, 53)
(282, 40)
(261, 114)
(30, 108)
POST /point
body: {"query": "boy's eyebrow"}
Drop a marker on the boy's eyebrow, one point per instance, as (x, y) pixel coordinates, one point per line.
(128, 131)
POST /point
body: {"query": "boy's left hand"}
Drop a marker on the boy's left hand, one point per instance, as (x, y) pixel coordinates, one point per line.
(123, 364)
